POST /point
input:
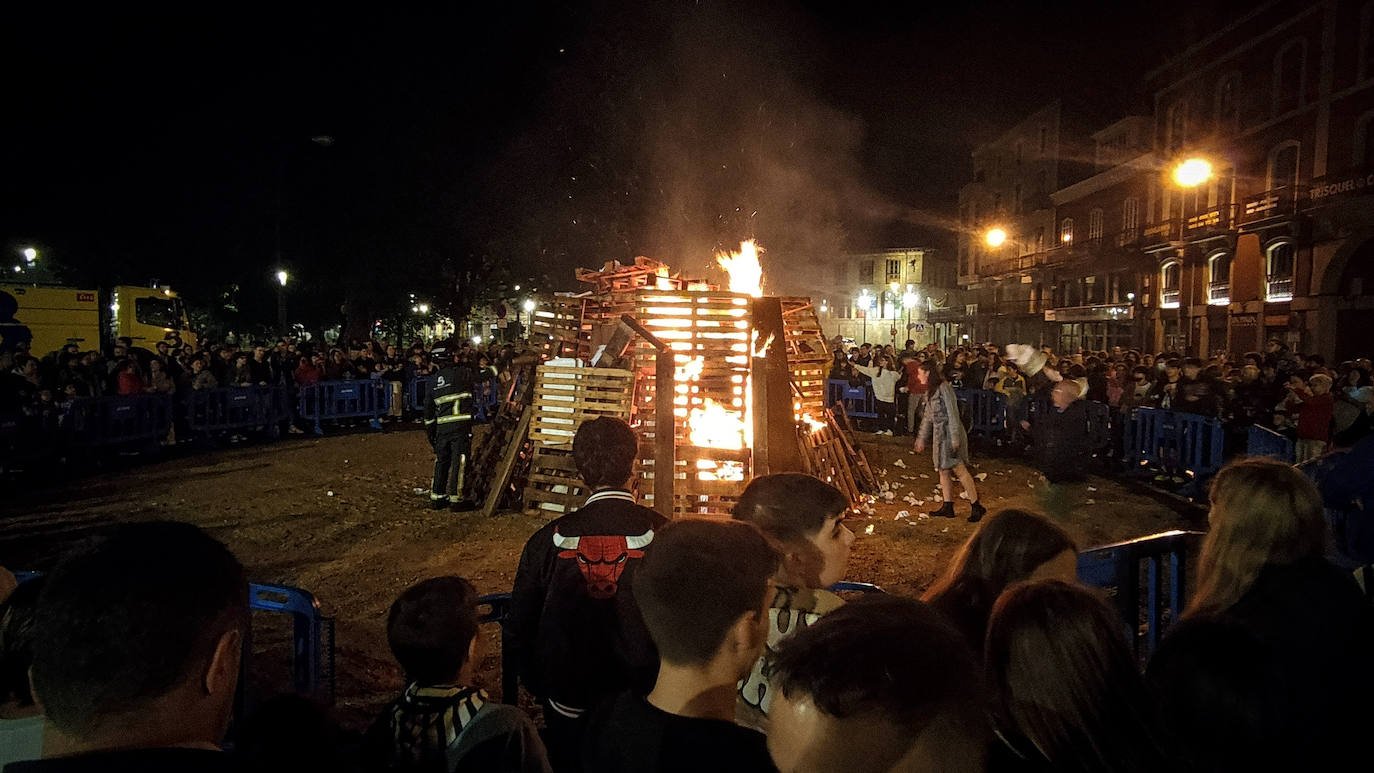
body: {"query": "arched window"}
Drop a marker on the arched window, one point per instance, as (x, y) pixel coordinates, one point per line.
(1095, 225)
(1130, 220)
(1066, 231)
(1228, 103)
(1219, 279)
(1279, 259)
(1283, 165)
(1176, 124)
(1170, 278)
(1290, 65)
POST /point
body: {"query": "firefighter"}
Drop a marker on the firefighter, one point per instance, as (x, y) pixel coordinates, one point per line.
(448, 425)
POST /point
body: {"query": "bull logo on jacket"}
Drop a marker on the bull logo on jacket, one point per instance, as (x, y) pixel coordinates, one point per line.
(602, 559)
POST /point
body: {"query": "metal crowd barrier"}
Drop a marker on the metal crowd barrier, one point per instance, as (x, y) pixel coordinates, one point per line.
(312, 635)
(488, 396)
(1178, 443)
(987, 409)
(416, 392)
(1263, 441)
(1116, 568)
(331, 400)
(227, 409)
(858, 400)
(118, 420)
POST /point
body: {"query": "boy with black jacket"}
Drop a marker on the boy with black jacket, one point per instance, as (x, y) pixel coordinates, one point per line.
(574, 627)
(1062, 445)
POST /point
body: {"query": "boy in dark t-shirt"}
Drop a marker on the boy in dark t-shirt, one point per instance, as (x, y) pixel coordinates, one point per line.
(704, 594)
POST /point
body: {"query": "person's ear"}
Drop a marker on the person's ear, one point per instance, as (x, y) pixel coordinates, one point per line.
(747, 634)
(222, 673)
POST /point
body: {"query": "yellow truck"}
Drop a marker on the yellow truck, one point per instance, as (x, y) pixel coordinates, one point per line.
(51, 317)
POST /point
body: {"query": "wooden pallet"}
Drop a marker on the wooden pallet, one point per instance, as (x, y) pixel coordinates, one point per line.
(558, 327)
(808, 355)
(565, 397)
(553, 487)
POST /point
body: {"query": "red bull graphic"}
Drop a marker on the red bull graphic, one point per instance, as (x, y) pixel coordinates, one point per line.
(601, 559)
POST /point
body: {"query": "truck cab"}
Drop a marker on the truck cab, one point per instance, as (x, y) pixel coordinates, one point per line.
(148, 315)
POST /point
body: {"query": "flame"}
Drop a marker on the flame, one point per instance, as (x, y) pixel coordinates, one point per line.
(812, 423)
(715, 426)
(762, 351)
(661, 280)
(746, 275)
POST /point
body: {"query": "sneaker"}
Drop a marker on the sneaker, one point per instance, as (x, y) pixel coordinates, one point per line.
(438, 503)
(464, 505)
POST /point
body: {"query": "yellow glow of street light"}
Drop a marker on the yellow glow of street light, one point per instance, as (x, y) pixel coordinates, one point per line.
(1193, 172)
(529, 305)
(996, 237)
(30, 254)
(424, 308)
(282, 276)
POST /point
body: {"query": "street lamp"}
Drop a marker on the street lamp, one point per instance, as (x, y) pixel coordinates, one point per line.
(423, 308)
(282, 276)
(1193, 172)
(995, 237)
(865, 302)
(30, 254)
(909, 300)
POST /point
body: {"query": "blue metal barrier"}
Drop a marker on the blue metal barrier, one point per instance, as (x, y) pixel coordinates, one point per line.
(498, 609)
(227, 409)
(1178, 443)
(312, 656)
(416, 392)
(1263, 441)
(95, 422)
(327, 400)
(987, 411)
(855, 587)
(858, 400)
(1116, 568)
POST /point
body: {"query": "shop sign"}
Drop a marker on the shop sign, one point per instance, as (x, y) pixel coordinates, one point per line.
(1325, 190)
(1090, 314)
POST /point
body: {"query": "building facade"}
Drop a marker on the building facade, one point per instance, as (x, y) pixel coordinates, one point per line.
(884, 296)
(1276, 242)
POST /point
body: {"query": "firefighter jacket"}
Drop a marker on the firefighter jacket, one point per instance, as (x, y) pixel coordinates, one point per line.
(450, 403)
(574, 627)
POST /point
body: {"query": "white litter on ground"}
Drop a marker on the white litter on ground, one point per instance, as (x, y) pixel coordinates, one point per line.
(868, 529)
(902, 514)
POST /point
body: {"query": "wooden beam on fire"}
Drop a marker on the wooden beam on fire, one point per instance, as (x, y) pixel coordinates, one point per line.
(775, 423)
(665, 423)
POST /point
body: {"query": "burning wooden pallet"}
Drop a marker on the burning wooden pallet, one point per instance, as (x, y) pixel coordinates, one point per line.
(557, 325)
(808, 355)
(564, 398)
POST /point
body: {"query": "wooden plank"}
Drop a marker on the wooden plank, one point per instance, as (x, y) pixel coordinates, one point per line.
(664, 442)
(503, 472)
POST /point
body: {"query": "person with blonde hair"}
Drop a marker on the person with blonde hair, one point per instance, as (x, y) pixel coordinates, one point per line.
(1263, 578)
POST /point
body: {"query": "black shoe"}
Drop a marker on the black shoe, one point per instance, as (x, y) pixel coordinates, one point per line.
(946, 511)
(438, 504)
(978, 512)
(464, 506)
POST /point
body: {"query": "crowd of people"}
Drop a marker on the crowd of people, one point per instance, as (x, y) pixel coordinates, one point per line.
(715, 644)
(36, 390)
(1314, 403)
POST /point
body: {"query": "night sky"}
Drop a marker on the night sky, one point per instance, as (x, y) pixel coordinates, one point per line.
(189, 146)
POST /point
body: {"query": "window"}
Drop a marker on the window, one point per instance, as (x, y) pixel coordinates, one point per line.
(1095, 225)
(1364, 141)
(840, 272)
(1176, 123)
(158, 312)
(1227, 103)
(1130, 220)
(1066, 231)
(1289, 66)
(1040, 239)
(1170, 276)
(1278, 260)
(1283, 165)
(894, 271)
(1016, 202)
(1219, 279)
(866, 272)
(997, 203)
(1040, 182)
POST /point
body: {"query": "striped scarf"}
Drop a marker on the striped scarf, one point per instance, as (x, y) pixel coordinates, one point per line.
(426, 721)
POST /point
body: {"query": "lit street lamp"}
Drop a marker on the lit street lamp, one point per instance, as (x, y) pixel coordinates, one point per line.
(865, 302)
(30, 254)
(1193, 172)
(282, 277)
(909, 300)
(995, 237)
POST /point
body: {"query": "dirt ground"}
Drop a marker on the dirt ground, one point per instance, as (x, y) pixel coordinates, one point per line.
(339, 516)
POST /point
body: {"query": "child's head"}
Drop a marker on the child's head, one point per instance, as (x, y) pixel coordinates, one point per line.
(804, 518)
(704, 592)
(1320, 383)
(1064, 393)
(432, 631)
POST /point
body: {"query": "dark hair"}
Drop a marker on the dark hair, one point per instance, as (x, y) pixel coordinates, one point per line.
(604, 450)
(125, 621)
(701, 576)
(1065, 684)
(17, 616)
(789, 507)
(430, 627)
(889, 658)
(933, 376)
(1008, 547)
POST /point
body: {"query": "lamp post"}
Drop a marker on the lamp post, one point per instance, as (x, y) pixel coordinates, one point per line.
(1189, 174)
(865, 302)
(909, 299)
(528, 306)
(282, 277)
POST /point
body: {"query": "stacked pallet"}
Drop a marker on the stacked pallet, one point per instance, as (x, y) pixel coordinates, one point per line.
(557, 325)
(808, 355)
(564, 398)
(830, 453)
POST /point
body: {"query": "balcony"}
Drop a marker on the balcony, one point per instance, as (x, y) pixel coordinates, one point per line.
(1168, 299)
(1163, 232)
(1210, 222)
(1219, 293)
(1128, 238)
(991, 266)
(1281, 202)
